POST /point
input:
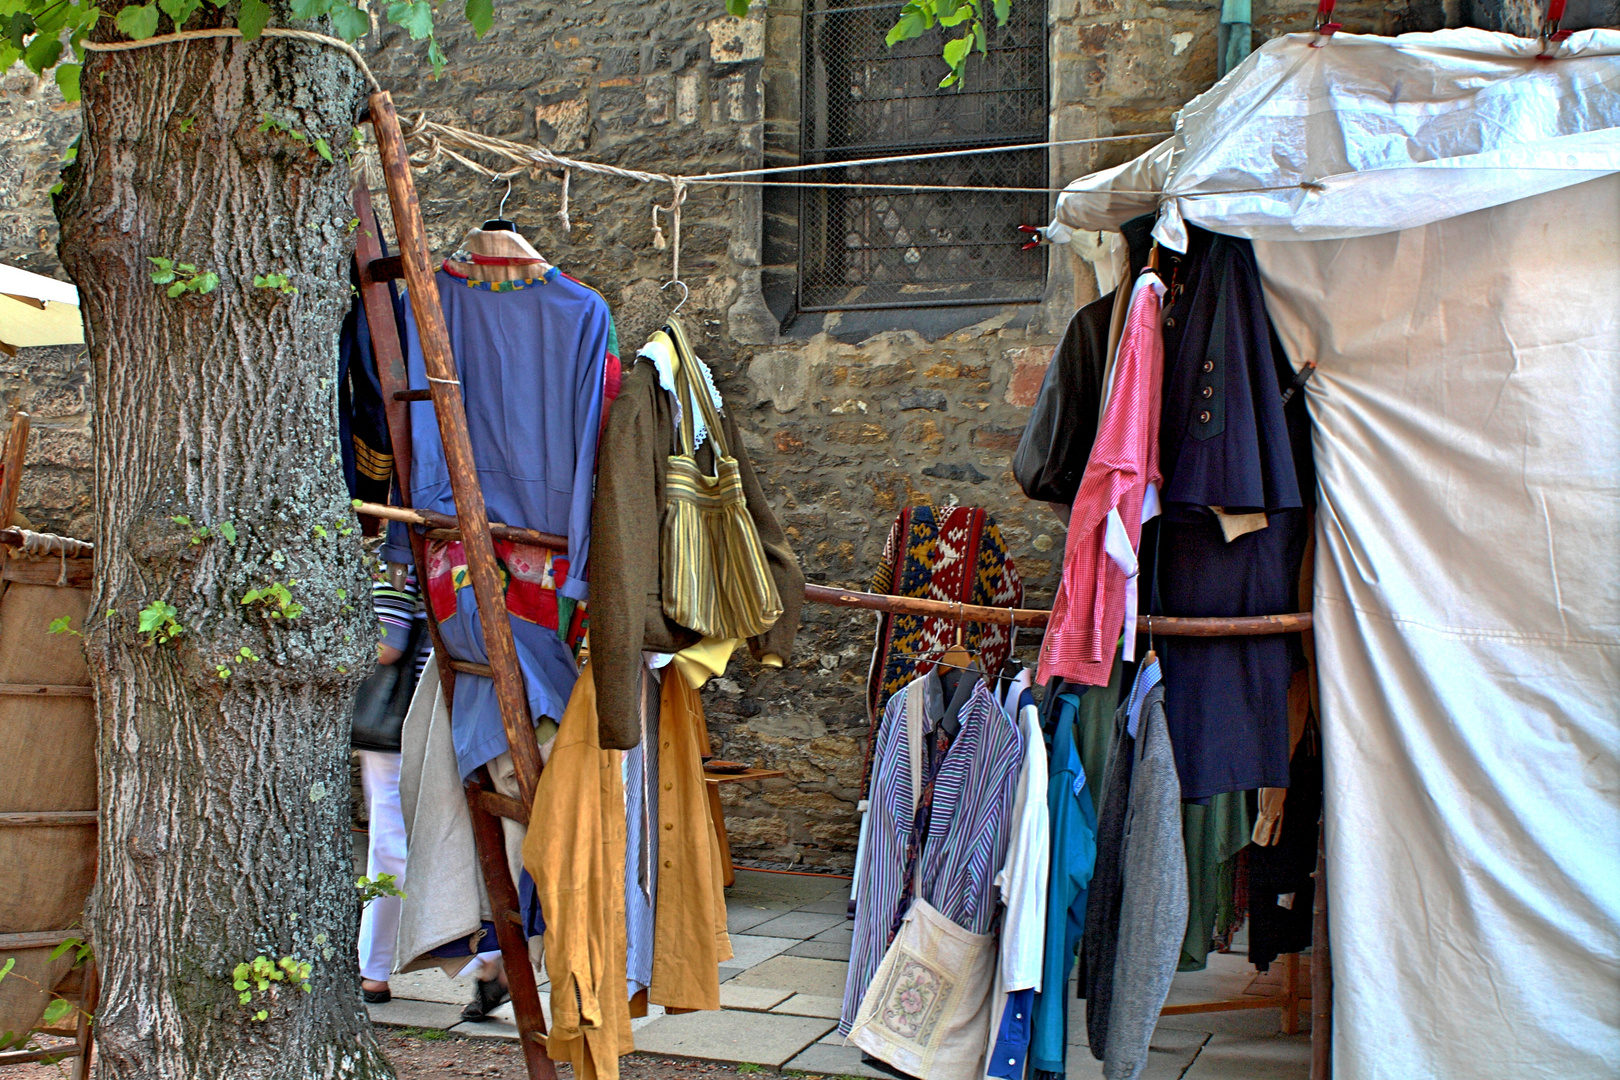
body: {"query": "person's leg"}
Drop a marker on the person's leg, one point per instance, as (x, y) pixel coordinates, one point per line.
(379, 924)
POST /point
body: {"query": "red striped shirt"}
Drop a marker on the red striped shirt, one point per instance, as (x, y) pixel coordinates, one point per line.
(1089, 610)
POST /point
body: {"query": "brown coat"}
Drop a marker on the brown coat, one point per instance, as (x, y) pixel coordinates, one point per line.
(626, 609)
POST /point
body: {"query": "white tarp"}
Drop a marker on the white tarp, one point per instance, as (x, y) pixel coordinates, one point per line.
(1466, 417)
(1371, 134)
(38, 310)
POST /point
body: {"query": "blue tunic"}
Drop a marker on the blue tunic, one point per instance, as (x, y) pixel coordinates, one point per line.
(530, 357)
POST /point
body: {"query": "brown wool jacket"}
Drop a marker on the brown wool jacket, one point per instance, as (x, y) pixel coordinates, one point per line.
(626, 609)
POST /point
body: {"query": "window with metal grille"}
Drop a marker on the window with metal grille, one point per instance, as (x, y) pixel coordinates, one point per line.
(876, 248)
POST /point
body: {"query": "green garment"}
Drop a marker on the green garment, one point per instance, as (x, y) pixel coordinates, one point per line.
(1094, 730)
(1213, 836)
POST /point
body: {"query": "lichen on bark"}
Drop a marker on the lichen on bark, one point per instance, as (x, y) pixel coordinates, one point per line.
(224, 822)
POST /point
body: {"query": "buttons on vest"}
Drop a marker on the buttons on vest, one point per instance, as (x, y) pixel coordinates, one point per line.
(1203, 417)
(1208, 391)
(1209, 365)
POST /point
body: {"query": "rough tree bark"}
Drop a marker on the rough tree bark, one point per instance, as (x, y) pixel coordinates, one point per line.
(224, 802)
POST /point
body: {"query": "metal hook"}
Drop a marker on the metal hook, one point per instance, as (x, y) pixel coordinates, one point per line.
(500, 211)
(686, 293)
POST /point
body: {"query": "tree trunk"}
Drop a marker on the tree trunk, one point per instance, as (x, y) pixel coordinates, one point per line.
(224, 801)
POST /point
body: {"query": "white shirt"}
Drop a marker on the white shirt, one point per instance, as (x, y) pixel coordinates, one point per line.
(1023, 877)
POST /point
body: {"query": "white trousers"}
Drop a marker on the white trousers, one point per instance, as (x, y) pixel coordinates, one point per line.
(379, 924)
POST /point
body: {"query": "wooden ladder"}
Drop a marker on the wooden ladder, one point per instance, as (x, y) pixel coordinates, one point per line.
(487, 805)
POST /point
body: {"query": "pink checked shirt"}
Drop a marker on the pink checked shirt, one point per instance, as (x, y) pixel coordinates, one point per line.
(1105, 527)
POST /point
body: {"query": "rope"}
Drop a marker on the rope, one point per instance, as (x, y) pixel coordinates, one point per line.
(232, 32)
(42, 545)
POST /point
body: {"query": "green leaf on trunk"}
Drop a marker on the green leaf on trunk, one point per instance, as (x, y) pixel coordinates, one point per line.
(415, 17)
(253, 17)
(309, 9)
(350, 22)
(67, 77)
(206, 283)
(58, 1008)
(176, 289)
(738, 8)
(179, 10)
(228, 531)
(322, 149)
(139, 22)
(481, 14)
(11, 962)
(436, 57)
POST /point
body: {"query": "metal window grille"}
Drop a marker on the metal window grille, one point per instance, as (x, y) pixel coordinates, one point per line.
(881, 249)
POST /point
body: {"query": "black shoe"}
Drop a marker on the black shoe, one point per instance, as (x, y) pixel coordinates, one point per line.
(489, 996)
(376, 997)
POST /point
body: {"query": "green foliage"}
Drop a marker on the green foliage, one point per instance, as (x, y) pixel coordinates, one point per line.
(199, 533)
(254, 16)
(373, 887)
(227, 529)
(426, 1034)
(749, 1067)
(182, 278)
(258, 975)
(185, 125)
(275, 599)
(73, 944)
(920, 16)
(244, 655)
(279, 282)
(139, 22)
(63, 625)
(158, 623)
(5, 969)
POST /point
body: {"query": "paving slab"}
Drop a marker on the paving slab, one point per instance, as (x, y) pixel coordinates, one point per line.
(811, 1005)
(759, 889)
(1233, 1057)
(752, 998)
(741, 917)
(826, 1059)
(421, 1014)
(431, 984)
(799, 924)
(747, 950)
(837, 904)
(761, 1038)
(821, 950)
(800, 974)
(1169, 1054)
(836, 933)
(728, 973)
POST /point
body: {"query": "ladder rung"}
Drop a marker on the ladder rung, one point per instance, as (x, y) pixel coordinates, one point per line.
(413, 395)
(469, 668)
(503, 806)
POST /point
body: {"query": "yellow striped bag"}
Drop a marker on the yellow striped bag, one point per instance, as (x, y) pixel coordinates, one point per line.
(715, 576)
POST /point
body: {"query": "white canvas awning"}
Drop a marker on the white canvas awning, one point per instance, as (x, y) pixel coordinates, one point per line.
(37, 310)
(1367, 135)
(1436, 219)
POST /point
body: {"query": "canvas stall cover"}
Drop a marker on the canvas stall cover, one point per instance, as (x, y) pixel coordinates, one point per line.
(1466, 417)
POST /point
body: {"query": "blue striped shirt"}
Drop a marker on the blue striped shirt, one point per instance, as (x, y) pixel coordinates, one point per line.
(966, 839)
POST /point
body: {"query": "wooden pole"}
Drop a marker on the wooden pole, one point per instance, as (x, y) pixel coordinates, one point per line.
(1321, 969)
(505, 909)
(386, 349)
(471, 514)
(446, 524)
(1167, 626)
(11, 478)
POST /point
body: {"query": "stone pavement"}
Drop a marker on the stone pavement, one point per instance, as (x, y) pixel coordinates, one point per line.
(781, 992)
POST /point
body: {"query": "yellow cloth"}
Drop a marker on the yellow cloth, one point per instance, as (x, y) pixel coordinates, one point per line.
(574, 850)
(689, 926)
(703, 661)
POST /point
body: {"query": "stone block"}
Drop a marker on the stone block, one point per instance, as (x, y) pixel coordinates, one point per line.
(811, 1005)
(781, 377)
(820, 950)
(421, 1014)
(753, 998)
(801, 974)
(831, 1056)
(564, 125)
(734, 41)
(760, 1038)
(431, 984)
(856, 433)
(800, 925)
(1028, 372)
(752, 949)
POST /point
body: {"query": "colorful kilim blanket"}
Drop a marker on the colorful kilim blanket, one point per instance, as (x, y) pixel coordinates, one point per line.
(939, 553)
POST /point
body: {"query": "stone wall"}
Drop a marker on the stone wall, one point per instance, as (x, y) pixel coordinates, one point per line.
(52, 385)
(848, 416)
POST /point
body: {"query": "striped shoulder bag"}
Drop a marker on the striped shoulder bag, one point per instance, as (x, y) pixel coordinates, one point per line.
(716, 579)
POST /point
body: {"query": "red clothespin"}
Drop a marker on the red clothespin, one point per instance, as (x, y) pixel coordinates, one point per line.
(1037, 236)
(1325, 26)
(1550, 33)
